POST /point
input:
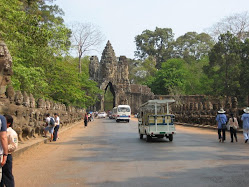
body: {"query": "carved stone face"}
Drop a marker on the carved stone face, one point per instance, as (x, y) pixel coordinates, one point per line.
(10, 93)
(5, 68)
(41, 103)
(26, 101)
(32, 101)
(19, 98)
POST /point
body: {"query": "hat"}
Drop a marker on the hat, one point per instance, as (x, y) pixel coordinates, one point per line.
(222, 111)
(246, 110)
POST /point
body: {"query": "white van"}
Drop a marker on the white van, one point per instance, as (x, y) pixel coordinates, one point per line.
(123, 113)
(114, 113)
(154, 120)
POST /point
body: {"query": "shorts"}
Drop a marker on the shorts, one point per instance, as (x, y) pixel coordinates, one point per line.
(49, 129)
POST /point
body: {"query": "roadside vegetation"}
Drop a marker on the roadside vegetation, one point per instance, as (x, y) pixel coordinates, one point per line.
(39, 43)
(213, 63)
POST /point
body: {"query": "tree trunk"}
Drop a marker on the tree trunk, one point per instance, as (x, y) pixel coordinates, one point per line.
(80, 64)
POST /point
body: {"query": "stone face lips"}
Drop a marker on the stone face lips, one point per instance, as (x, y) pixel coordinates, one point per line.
(112, 71)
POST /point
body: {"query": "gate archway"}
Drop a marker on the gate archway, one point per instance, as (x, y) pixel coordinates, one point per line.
(109, 97)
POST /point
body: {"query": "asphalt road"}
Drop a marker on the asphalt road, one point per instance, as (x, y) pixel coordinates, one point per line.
(109, 154)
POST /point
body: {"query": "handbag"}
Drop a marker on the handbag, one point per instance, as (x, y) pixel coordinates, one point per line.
(228, 126)
(223, 126)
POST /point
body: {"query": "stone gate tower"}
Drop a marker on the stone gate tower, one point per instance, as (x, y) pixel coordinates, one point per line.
(113, 72)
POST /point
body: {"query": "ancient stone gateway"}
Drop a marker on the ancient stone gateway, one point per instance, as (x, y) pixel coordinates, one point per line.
(113, 72)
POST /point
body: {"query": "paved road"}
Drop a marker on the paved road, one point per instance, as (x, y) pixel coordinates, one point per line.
(109, 154)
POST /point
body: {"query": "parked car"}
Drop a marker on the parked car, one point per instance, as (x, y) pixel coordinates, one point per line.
(102, 114)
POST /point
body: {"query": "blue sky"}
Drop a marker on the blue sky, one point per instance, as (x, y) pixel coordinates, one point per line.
(121, 20)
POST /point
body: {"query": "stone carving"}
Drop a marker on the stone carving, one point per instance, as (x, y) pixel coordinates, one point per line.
(47, 104)
(32, 101)
(41, 103)
(5, 68)
(26, 101)
(18, 98)
(115, 74)
(10, 93)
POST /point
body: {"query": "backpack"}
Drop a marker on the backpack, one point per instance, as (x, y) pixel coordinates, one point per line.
(52, 122)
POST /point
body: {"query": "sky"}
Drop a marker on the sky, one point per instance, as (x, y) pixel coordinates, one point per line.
(121, 20)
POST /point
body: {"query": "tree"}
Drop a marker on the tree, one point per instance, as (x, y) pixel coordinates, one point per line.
(236, 24)
(85, 37)
(244, 75)
(171, 76)
(140, 70)
(192, 46)
(157, 44)
(224, 65)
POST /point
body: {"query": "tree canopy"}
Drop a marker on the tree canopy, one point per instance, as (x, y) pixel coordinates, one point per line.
(39, 43)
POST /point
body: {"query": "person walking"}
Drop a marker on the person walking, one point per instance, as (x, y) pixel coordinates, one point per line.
(85, 119)
(221, 119)
(3, 142)
(245, 119)
(7, 176)
(56, 127)
(49, 126)
(233, 126)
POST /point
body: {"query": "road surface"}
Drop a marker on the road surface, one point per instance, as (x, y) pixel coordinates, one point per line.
(109, 154)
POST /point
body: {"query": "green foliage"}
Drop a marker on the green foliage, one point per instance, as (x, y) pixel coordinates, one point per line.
(224, 66)
(37, 38)
(196, 81)
(193, 46)
(171, 75)
(157, 44)
(244, 75)
(30, 79)
(141, 70)
(108, 100)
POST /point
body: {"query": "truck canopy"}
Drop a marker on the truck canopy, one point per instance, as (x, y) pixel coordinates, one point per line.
(156, 104)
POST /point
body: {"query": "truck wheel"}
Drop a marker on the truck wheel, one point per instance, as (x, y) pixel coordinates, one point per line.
(148, 138)
(141, 136)
(171, 137)
(128, 121)
(117, 120)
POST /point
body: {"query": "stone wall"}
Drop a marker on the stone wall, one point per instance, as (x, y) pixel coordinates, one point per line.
(200, 109)
(28, 113)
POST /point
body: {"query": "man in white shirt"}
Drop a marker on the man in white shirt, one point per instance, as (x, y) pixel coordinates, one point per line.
(7, 176)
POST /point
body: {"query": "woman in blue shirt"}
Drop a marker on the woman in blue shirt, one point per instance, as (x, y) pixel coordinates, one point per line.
(221, 119)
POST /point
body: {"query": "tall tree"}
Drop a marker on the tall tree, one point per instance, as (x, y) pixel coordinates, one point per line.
(140, 70)
(172, 75)
(85, 37)
(224, 65)
(157, 44)
(193, 46)
(237, 24)
(244, 75)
